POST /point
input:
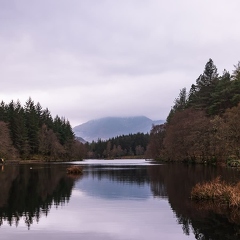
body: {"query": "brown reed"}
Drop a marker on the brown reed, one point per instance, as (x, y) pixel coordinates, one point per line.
(74, 170)
(217, 191)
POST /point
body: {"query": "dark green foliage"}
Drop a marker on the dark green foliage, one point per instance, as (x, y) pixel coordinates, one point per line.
(32, 125)
(3, 112)
(125, 145)
(46, 118)
(200, 94)
(180, 103)
(220, 96)
(34, 132)
(63, 130)
(209, 75)
(211, 93)
(203, 124)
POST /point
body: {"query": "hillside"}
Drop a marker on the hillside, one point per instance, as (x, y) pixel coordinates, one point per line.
(105, 128)
(203, 124)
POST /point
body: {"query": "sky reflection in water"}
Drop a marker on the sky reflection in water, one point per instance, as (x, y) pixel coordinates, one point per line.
(109, 202)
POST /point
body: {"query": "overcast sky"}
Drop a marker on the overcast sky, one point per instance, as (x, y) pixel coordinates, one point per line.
(86, 59)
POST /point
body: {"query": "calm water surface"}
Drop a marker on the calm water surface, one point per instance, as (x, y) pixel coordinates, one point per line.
(113, 199)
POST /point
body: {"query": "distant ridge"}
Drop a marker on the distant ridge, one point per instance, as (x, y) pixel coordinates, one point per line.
(80, 139)
(108, 127)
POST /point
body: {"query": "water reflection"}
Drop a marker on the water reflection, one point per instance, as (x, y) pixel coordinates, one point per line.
(29, 192)
(173, 182)
(206, 222)
(110, 198)
(115, 182)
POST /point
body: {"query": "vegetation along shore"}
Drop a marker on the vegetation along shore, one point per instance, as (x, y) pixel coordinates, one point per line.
(202, 127)
(30, 133)
(219, 192)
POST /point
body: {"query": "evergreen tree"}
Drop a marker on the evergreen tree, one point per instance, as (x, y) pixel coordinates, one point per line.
(125, 145)
(205, 129)
(209, 75)
(3, 112)
(180, 103)
(221, 95)
(15, 119)
(32, 125)
(47, 118)
(236, 72)
(34, 132)
(7, 149)
(39, 110)
(192, 96)
(205, 85)
(21, 137)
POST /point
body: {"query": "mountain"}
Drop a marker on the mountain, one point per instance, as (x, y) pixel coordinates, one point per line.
(80, 139)
(105, 128)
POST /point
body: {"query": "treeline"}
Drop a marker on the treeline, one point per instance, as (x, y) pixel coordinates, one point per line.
(30, 132)
(121, 146)
(203, 125)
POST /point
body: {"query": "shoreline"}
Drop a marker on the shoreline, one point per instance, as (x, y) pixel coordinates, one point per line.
(15, 162)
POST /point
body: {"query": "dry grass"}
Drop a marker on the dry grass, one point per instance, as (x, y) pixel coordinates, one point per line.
(218, 191)
(74, 170)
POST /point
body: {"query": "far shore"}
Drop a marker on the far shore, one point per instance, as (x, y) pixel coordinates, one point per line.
(10, 162)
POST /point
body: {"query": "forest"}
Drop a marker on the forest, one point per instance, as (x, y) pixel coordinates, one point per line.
(30, 132)
(203, 124)
(202, 127)
(132, 145)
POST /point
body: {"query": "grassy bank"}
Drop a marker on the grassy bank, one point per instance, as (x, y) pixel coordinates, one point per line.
(217, 191)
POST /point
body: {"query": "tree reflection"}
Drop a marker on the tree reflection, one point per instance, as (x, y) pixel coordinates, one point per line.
(207, 221)
(174, 182)
(135, 175)
(29, 193)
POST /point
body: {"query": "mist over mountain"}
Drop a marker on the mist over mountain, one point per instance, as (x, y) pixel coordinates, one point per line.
(108, 127)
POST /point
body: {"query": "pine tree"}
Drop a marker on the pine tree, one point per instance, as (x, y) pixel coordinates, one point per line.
(209, 75)
(181, 102)
(221, 95)
(47, 118)
(33, 131)
(32, 124)
(205, 85)
(3, 112)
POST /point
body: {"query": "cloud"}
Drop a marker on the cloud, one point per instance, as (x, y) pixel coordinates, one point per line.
(111, 57)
